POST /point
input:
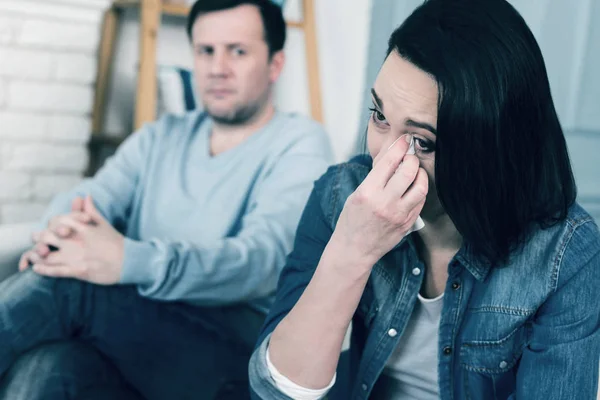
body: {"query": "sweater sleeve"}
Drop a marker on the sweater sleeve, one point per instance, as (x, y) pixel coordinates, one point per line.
(243, 267)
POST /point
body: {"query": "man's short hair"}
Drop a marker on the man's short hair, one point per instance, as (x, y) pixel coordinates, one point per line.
(271, 14)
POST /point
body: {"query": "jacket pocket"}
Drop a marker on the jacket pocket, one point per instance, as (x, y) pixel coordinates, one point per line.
(490, 366)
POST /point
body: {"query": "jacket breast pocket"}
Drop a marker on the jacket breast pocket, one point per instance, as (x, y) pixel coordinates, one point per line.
(490, 361)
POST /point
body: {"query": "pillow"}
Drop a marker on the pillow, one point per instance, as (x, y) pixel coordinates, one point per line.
(176, 91)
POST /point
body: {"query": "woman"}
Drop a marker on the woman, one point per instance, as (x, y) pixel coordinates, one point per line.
(496, 297)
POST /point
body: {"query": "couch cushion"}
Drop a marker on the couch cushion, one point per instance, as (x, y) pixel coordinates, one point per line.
(14, 240)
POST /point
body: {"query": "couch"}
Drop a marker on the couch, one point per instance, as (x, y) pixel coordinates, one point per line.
(14, 240)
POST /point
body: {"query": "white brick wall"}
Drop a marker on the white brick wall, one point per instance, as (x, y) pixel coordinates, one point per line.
(46, 186)
(15, 186)
(14, 213)
(60, 97)
(38, 33)
(77, 68)
(42, 157)
(25, 64)
(2, 92)
(47, 72)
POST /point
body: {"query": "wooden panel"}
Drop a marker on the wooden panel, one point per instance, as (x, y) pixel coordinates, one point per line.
(176, 10)
(147, 86)
(295, 24)
(105, 58)
(312, 60)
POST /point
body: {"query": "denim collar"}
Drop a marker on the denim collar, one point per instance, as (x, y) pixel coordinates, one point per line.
(476, 264)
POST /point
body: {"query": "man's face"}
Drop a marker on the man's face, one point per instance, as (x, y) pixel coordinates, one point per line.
(232, 65)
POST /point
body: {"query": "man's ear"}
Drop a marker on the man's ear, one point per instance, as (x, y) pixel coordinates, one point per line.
(276, 66)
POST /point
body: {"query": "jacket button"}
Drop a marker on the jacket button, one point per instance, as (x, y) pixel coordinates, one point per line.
(503, 364)
(447, 350)
(455, 285)
(392, 332)
(416, 271)
(364, 386)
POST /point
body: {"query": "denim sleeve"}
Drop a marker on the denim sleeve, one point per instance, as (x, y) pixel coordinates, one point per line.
(113, 187)
(561, 360)
(262, 384)
(312, 236)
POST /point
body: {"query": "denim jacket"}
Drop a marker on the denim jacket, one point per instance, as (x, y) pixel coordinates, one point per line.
(528, 330)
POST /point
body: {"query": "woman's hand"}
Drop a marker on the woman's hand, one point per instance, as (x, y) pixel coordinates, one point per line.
(305, 346)
(384, 207)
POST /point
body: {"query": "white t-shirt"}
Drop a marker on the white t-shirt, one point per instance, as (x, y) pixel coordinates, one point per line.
(412, 370)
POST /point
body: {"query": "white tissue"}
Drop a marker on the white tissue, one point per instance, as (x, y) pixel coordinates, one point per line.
(419, 224)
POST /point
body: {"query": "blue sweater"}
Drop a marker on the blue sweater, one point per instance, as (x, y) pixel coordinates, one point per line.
(202, 229)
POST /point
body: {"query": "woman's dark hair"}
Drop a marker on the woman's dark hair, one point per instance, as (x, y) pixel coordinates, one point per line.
(271, 13)
(501, 165)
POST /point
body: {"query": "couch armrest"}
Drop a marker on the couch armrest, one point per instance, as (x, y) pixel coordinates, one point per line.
(14, 240)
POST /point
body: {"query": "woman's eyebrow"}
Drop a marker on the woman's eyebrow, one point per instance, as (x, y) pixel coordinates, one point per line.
(376, 99)
(422, 125)
(409, 122)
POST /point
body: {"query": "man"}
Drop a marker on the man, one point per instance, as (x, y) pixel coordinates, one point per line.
(167, 259)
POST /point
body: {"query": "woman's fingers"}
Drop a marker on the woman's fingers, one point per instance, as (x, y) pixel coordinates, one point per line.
(386, 165)
(403, 177)
(415, 196)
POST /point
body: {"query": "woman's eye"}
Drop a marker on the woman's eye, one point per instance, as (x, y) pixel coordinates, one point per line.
(378, 116)
(424, 145)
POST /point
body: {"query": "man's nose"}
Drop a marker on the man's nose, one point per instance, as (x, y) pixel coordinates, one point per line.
(219, 64)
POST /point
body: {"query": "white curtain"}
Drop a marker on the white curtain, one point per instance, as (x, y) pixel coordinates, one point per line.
(568, 33)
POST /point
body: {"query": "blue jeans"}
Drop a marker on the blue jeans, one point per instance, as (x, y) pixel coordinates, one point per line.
(162, 350)
(64, 370)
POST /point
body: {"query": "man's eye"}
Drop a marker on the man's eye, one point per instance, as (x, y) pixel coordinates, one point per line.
(239, 52)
